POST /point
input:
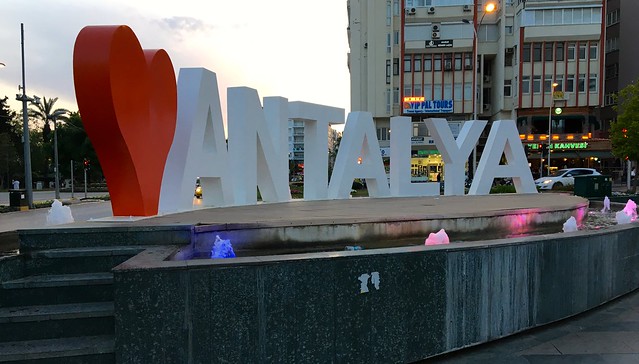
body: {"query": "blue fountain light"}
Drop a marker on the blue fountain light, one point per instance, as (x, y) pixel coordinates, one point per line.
(222, 249)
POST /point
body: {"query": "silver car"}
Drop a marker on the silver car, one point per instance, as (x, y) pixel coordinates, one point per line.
(563, 177)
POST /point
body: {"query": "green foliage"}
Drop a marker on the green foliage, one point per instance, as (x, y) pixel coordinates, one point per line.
(624, 133)
(503, 189)
(10, 145)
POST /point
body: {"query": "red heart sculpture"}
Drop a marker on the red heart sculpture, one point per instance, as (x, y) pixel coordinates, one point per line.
(128, 102)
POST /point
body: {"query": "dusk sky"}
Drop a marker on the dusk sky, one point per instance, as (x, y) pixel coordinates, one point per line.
(290, 48)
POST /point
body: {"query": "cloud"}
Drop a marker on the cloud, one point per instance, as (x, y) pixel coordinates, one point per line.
(185, 24)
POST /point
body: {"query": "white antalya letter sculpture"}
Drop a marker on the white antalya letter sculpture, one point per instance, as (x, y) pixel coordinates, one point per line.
(198, 148)
(359, 140)
(256, 160)
(455, 153)
(400, 183)
(316, 120)
(503, 140)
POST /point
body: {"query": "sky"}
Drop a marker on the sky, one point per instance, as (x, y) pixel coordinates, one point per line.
(291, 48)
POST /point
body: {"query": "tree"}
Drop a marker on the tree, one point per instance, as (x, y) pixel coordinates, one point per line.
(10, 145)
(624, 132)
(45, 112)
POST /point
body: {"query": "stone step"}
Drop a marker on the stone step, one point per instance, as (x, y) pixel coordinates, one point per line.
(90, 349)
(57, 289)
(98, 251)
(78, 260)
(56, 321)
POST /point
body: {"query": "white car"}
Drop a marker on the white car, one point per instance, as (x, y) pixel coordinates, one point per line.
(563, 177)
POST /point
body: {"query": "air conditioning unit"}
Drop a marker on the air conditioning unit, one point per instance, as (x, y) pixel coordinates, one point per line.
(467, 8)
(411, 11)
(486, 107)
(431, 10)
(486, 79)
(510, 50)
(435, 28)
(435, 35)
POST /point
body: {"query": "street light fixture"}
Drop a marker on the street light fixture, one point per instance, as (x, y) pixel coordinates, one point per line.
(489, 8)
(552, 103)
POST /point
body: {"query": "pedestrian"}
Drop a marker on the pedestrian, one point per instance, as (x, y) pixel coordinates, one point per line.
(16, 184)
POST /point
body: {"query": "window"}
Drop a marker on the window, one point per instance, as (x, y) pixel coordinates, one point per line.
(468, 61)
(508, 59)
(458, 91)
(536, 52)
(593, 51)
(536, 84)
(383, 134)
(548, 83)
(408, 90)
(448, 91)
(526, 55)
(438, 62)
(609, 99)
(571, 51)
(582, 51)
(570, 83)
(458, 61)
(612, 17)
(612, 44)
(388, 43)
(525, 84)
(612, 71)
(396, 95)
(388, 71)
(509, 29)
(582, 82)
(559, 79)
(407, 63)
(448, 62)
(548, 52)
(437, 92)
(396, 40)
(396, 66)
(417, 64)
(428, 92)
(417, 90)
(507, 88)
(428, 63)
(468, 91)
(592, 82)
(559, 51)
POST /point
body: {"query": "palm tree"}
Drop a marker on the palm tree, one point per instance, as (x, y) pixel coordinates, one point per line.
(45, 112)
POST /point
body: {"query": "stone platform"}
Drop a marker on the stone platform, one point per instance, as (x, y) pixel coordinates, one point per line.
(297, 225)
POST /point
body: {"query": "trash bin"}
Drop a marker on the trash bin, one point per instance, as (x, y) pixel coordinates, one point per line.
(39, 185)
(18, 199)
(593, 186)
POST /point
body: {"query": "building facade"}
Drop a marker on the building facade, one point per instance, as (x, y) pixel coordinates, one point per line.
(525, 59)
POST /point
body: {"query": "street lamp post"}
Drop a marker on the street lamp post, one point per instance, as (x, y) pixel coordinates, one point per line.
(489, 8)
(55, 158)
(552, 102)
(25, 131)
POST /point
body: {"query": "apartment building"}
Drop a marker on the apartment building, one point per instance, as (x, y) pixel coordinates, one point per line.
(424, 58)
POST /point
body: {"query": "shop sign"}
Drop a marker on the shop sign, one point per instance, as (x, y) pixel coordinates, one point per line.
(428, 107)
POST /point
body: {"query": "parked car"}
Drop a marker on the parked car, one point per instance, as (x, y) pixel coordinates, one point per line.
(563, 177)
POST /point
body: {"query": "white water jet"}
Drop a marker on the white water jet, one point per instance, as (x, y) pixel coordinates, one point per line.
(622, 218)
(606, 205)
(570, 225)
(59, 214)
